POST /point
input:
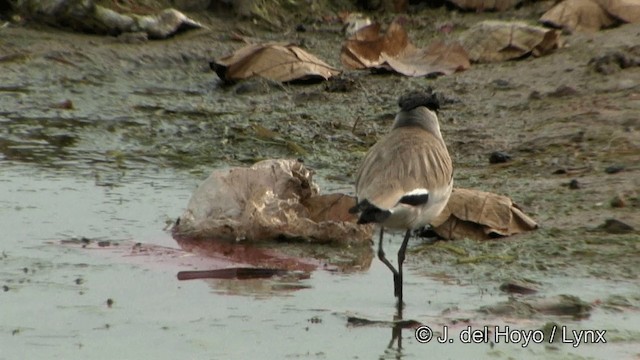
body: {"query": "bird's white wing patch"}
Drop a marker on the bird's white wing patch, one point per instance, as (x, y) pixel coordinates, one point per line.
(418, 191)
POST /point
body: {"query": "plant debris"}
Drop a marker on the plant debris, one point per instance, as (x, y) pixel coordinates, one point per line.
(236, 273)
(274, 61)
(271, 200)
(480, 215)
(494, 41)
(90, 17)
(368, 48)
(591, 15)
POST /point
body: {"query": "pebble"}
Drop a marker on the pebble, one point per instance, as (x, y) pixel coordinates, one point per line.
(618, 201)
(614, 226)
(614, 169)
(574, 184)
(562, 91)
(498, 157)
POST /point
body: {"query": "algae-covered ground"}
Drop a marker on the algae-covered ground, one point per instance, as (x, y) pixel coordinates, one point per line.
(105, 140)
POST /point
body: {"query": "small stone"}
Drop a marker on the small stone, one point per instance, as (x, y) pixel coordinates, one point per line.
(5, 288)
(574, 184)
(104, 243)
(618, 201)
(340, 84)
(498, 157)
(562, 91)
(614, 226)
(64, 105)
(535, 95)
(501, 83)
(518, 287)
(110, 302)
(614, 169)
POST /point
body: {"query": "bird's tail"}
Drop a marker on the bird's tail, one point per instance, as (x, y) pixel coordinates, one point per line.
(369, 213)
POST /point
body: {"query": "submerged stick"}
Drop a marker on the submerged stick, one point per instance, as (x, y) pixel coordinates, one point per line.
(231, 273)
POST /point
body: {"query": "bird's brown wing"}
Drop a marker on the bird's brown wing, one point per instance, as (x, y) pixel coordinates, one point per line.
(404, 160)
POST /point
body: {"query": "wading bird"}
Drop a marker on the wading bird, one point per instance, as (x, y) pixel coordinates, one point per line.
(406, 178)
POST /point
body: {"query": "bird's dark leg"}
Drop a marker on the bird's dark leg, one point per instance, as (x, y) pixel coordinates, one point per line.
(401, 254)
(384, 260)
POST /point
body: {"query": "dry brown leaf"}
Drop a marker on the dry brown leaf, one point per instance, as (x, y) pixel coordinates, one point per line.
(364, 49)
(270, 200)
(273, 61)
(438, 58)
(331, 207)
(369, 49)
(578, 15)
(480, 5)
(481, 215)
(493, 41)
(625, 10)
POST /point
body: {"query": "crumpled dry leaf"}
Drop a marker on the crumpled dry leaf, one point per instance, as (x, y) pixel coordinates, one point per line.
(500, 5)
(493, 41)
(270, 200)
(625, 10)
(369, 49)
(480, 215)
(578, 15)
(353, 22)
(273, 61)
(85, 15)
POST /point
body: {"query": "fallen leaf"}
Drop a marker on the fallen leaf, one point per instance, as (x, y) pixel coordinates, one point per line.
(480, 215)
(331, 207)
(479, 5)
(493, 41)
(438, 59)
(271, 200)
(578, 15)
(90, 17)
(353, 22)
(625, 10)
(393, 51)
(273, 61)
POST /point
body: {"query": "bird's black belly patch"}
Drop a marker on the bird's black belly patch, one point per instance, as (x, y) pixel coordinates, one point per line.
(414, 200)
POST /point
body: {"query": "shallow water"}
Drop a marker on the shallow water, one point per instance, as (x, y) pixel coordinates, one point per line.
(55, 305)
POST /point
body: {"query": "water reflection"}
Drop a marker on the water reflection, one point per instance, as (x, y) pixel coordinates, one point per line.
(254, 268)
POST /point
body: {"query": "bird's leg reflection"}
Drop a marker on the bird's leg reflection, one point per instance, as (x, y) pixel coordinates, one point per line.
(396, 332)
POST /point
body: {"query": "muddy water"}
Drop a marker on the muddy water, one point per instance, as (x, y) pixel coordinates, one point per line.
(56, 299)
(149, 122)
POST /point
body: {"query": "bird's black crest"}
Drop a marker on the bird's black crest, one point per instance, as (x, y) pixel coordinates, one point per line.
(369, 213)
(414, 200)
(424, 97)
